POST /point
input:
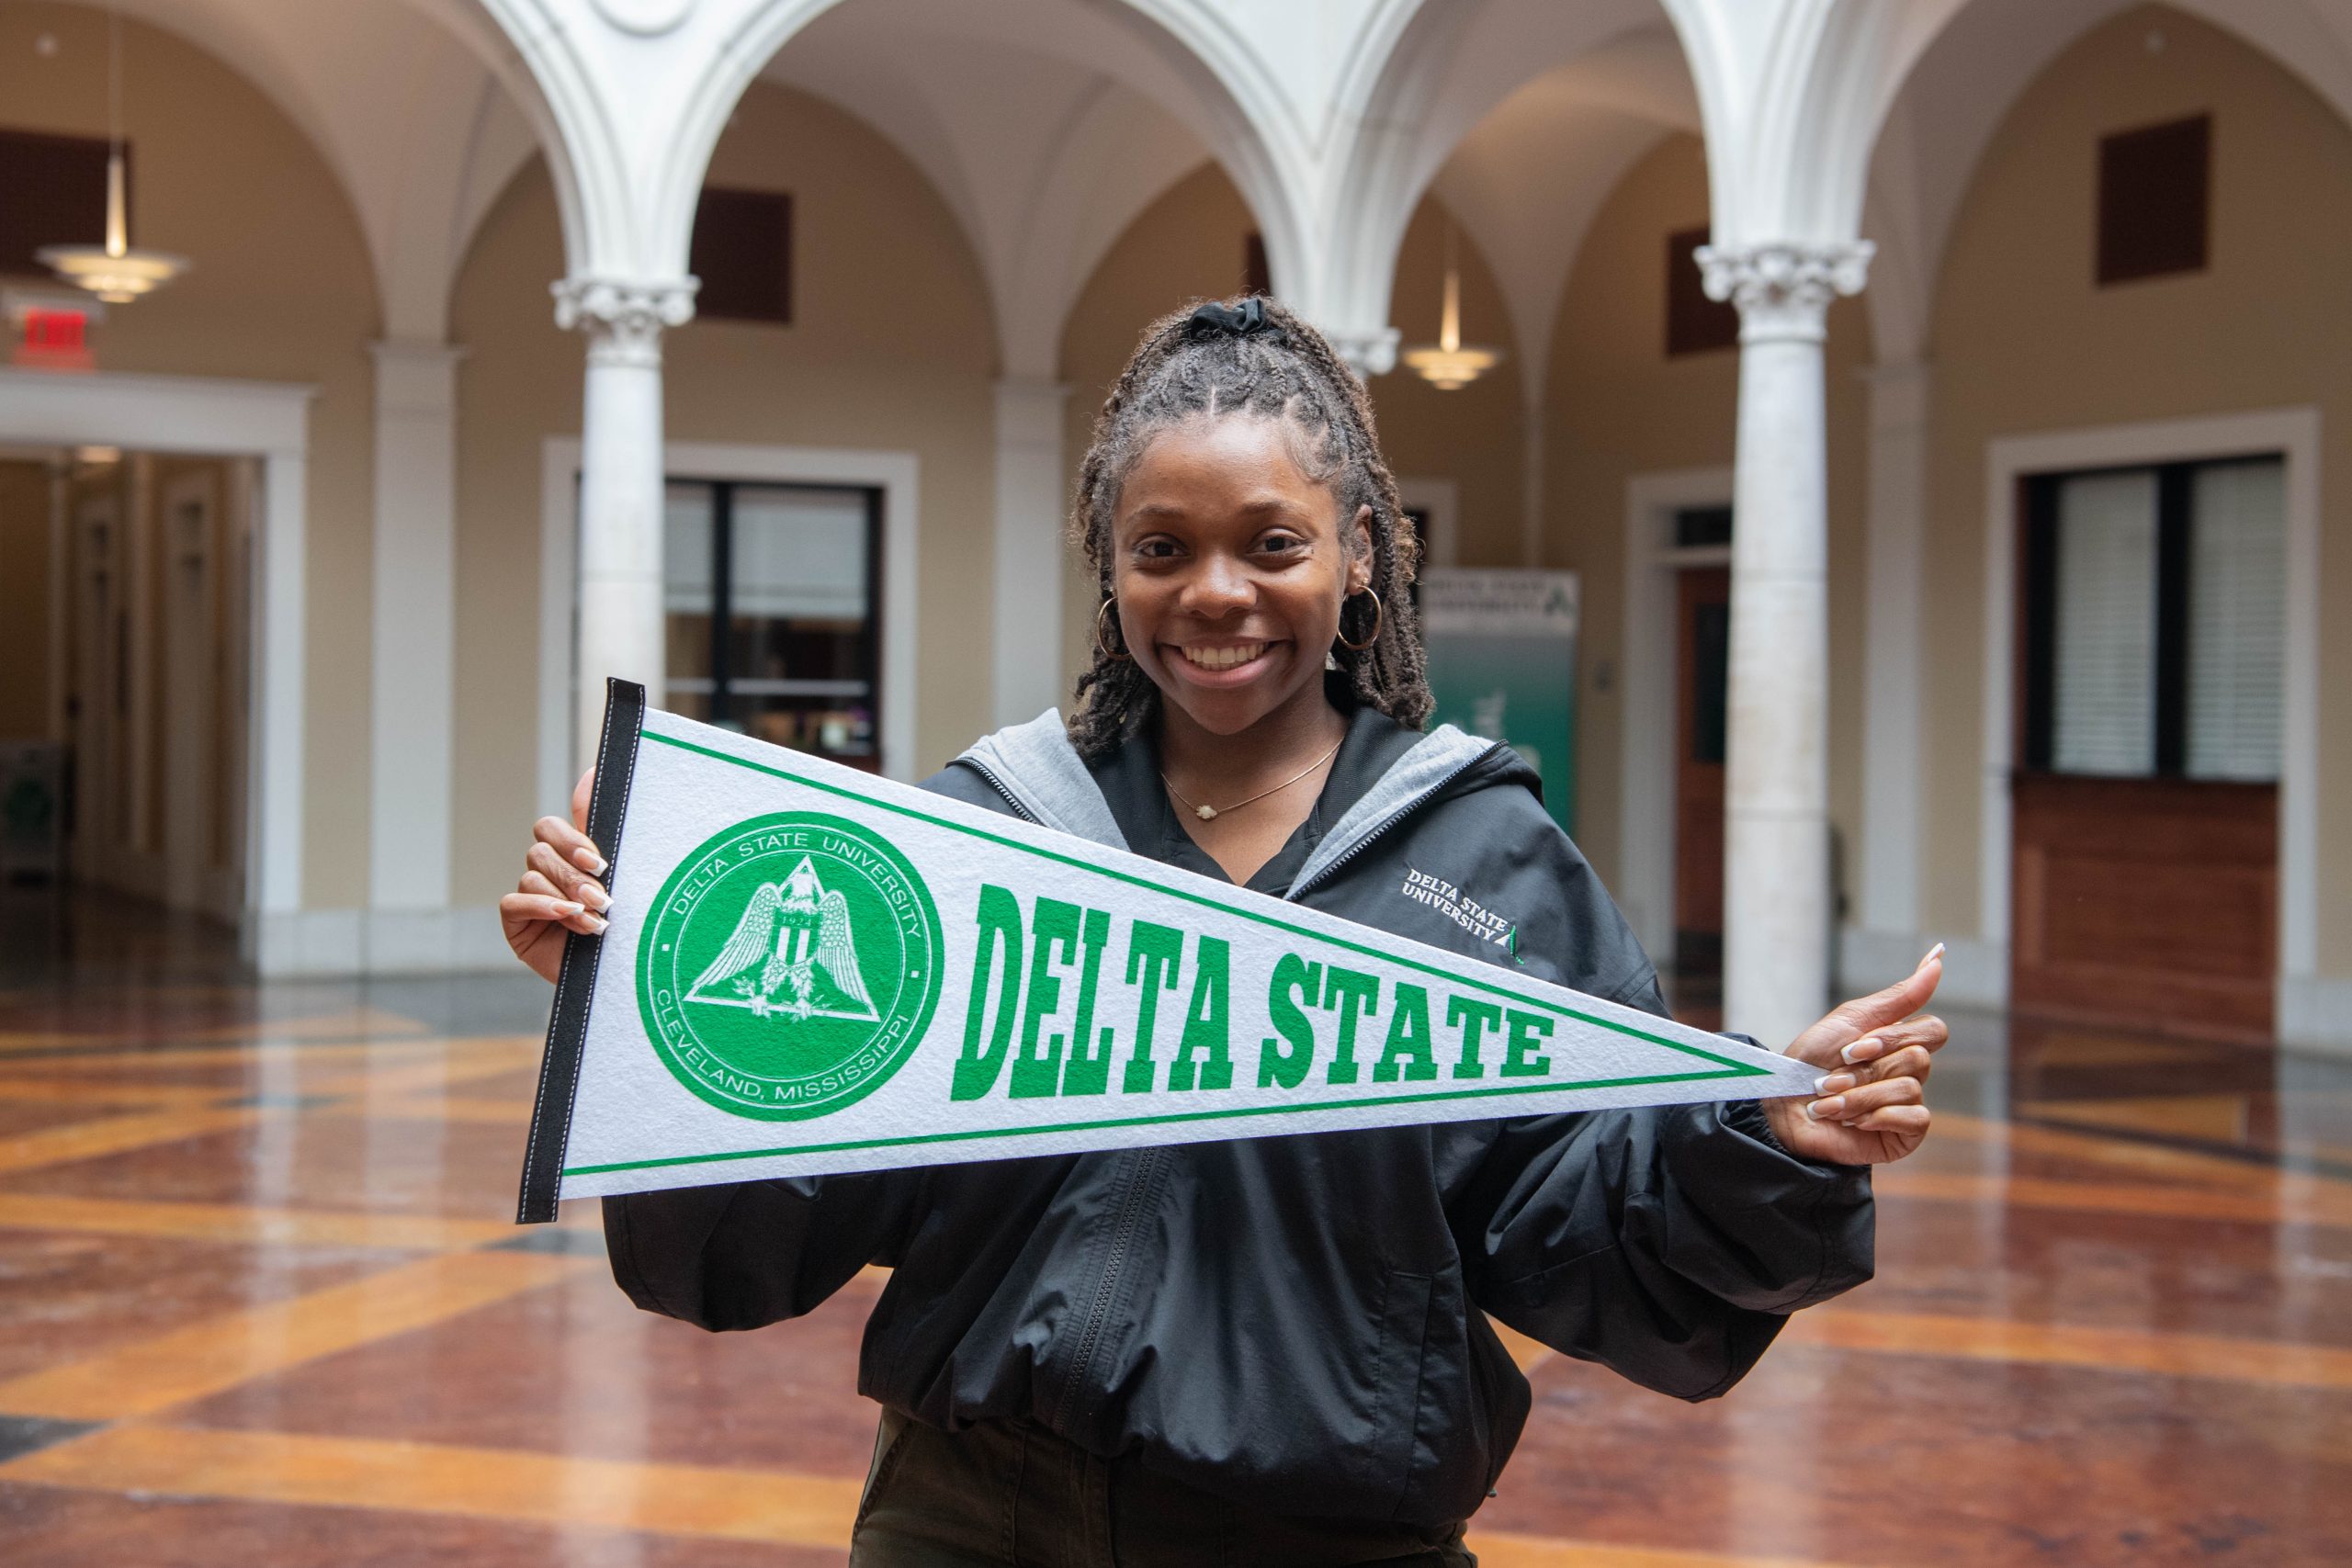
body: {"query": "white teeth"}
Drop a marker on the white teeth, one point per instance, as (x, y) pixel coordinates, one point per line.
(1223, 657)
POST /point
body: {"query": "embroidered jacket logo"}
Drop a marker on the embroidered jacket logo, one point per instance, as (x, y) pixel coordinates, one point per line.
(1468, 913)
(790, 966)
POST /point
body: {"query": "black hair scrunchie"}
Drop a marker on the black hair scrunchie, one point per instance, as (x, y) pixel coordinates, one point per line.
(1245, 319)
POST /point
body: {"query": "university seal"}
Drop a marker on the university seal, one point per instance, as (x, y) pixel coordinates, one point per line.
(791, 964)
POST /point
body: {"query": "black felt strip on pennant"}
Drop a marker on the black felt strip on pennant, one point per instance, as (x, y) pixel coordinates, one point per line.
(575, 983)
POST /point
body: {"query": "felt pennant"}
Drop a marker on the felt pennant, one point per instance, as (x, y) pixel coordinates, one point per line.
(807, 969)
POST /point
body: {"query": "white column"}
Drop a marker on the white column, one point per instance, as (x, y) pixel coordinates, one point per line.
(620, 619)
(1030, 506)
(274, 805)
(1888, 878)
(414, 632)
(1776, 852)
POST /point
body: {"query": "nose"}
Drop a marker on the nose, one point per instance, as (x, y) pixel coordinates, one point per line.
(1220, 586)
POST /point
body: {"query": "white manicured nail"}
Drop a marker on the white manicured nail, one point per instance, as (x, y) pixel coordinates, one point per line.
(1933, 953)
(595, 896)
(565, 908)
(595, 925)
(590, 862)
(1862, 1050)
(1823, 1110)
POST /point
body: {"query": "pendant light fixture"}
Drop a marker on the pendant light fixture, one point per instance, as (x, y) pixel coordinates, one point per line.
(114, 272)
(1448, 366)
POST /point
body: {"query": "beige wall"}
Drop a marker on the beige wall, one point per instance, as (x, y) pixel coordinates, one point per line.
(891, 348)
(24, 600)
(1619, 408)
(281, 291)
(2023, 341)
(1474, 435)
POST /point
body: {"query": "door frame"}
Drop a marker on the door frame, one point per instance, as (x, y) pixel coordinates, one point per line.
(1647, 656)
(222, 417)
(2294, 434)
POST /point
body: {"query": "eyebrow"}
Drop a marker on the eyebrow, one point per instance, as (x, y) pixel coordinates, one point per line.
(1273, 504)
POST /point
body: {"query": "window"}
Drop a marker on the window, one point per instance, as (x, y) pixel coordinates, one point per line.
(2153, 601)
(1702, 527)
(1694, 323)
(52, 192)
(2153, 189)
(771, 592)
(741, 251)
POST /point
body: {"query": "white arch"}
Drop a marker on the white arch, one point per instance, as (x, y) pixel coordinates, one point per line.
(1184, 55)
(1423, 79)
(1043, 170)
(409, 104)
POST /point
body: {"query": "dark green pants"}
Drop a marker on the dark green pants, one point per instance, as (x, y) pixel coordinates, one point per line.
(1018, 1496)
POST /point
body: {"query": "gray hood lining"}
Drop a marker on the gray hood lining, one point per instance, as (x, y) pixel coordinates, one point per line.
(1036, 764)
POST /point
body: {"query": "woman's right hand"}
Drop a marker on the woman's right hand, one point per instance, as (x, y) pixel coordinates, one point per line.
(559, 892)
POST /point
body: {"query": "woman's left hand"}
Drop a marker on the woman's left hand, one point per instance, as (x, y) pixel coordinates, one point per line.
(1874, 1055)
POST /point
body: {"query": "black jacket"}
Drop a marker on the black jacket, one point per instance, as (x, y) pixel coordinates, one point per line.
(1298, 1323)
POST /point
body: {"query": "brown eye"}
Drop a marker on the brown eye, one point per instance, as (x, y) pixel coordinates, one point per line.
(1281, 544)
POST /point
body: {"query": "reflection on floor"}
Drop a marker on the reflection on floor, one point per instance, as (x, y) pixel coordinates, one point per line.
(264, 1306)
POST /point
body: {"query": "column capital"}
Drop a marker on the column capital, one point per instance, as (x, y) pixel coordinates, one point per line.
(1783, 287)
(1369, 350)
(624, 317)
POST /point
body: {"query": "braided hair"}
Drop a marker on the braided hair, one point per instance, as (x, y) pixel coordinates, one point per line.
(1252, 356)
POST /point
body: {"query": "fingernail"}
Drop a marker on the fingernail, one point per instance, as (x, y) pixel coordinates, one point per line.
(595, 925)
(589, 861)
(1862, 1050)
(1833, 1083)
(567, 909)
(1933, 953)
(595, 898)
(1823, 1110)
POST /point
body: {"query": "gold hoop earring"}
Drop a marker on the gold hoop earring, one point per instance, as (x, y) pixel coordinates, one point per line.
(1115, 655)
(1378, 610)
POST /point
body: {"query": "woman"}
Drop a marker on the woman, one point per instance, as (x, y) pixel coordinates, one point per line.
(1277, 1349)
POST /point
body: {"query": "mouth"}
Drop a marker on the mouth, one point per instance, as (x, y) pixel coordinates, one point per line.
(1223, 664)
(1232, 656)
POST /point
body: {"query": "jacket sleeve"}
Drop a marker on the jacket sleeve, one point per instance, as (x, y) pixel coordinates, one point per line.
(1667, 1243)
(749, 1253)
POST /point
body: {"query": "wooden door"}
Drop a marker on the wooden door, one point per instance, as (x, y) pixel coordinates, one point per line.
(2146, 903)
(1702, 676)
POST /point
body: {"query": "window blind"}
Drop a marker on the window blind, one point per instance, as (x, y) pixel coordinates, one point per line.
(800, 553)
(2236, 602)
(2105, 687)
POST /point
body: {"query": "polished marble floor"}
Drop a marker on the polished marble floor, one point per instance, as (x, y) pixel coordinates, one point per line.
(261, 1305)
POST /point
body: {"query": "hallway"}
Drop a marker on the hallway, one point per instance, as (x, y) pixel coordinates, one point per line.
(265, 1307)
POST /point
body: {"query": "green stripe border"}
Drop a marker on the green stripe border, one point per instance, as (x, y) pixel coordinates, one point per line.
(1727, 1068)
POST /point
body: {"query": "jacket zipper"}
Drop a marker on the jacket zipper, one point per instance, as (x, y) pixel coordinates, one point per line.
(1332, 866)
(996, 784)
(1142, 1178)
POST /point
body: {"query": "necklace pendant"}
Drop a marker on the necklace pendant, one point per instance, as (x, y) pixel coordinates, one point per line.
(1205, 813)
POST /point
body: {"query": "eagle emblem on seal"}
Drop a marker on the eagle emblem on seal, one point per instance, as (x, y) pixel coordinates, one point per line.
(792, 955)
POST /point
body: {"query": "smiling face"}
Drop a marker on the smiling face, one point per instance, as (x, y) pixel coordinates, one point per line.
(1230, 566)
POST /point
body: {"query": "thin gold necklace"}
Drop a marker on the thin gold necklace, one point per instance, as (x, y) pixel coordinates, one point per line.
(1210, 813)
